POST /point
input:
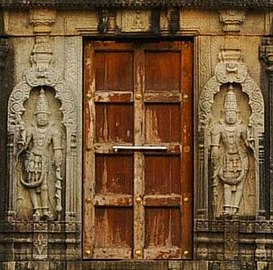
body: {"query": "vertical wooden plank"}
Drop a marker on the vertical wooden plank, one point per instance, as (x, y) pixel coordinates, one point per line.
(114, 174)
(162, 123)
(88, 153)
(139, 222)
(113, 233)
(163, 175)
(187, 147)
(114, 122)
(162, 70)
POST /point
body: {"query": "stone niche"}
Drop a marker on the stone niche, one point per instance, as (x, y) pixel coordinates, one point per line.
(42, 135)
(48, 139)
(231, 130)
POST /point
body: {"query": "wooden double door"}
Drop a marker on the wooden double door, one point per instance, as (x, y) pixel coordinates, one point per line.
(138, 150)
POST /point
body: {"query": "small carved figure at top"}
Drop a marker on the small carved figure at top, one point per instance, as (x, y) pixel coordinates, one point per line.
(231, 142)
(138, 22)
(36, 144)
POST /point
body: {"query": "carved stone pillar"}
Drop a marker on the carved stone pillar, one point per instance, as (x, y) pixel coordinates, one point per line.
(266, 53)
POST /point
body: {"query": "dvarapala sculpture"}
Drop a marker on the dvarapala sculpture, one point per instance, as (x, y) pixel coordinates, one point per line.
(231, 144)
(39, 147)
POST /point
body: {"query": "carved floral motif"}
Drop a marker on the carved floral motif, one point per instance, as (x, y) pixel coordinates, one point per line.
(40, 244)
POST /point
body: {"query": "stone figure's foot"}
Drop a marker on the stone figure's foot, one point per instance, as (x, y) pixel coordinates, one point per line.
(226, 215)
(228, 212)
(47, 215)
(36, 215)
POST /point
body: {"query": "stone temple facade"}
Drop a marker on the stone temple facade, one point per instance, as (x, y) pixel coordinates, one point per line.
(136, 135)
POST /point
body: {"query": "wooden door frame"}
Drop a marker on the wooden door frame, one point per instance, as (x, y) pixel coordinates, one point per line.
(189, 195)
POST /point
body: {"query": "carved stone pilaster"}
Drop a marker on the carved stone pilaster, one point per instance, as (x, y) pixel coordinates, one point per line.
(266, 54)
(232, 20)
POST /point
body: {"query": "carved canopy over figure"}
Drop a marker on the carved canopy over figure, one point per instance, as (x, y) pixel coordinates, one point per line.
(36, 143)
(230, 147)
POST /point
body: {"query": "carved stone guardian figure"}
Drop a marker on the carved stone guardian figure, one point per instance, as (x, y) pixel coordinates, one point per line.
(231, 142)
(40, 148)
(231, 132)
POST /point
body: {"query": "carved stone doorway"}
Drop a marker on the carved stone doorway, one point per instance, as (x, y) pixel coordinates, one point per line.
(138, 142)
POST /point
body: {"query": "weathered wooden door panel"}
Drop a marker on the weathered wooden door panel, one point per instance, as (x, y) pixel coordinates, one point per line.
(138, 203)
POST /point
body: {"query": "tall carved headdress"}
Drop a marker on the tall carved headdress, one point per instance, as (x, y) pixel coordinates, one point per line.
(230, 103)
(42, 103)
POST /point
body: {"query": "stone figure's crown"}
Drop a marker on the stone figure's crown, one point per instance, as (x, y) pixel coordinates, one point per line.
(230, 103)
(42, 103)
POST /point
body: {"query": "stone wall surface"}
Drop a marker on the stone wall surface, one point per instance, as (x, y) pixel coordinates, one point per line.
(41, 52)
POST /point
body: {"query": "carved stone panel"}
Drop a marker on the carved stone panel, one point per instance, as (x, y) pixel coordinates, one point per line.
(231, 126)
(232, 20)
(42, 134)
(39, 157)
(133, 21)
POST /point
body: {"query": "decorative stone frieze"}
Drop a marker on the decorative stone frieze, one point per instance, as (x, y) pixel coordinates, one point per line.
(232, 20)
(77, 4)
(230, 146)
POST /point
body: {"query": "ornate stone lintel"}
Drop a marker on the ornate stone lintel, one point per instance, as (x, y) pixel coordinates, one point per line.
(232, 20)
(42, 20)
